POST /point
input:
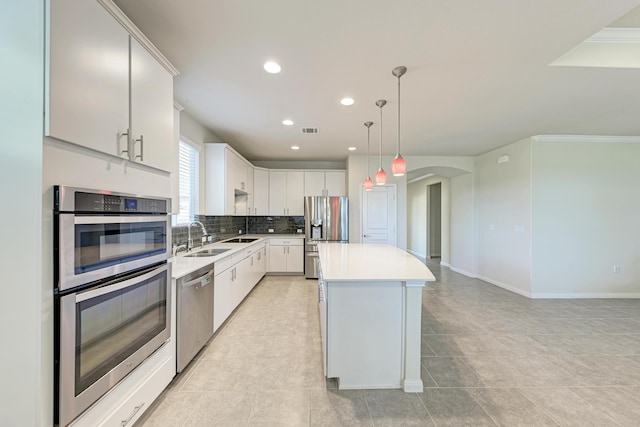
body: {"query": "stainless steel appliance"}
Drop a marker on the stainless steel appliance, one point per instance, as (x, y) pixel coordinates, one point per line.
(195, 314)
(326, 219)
(112, 291)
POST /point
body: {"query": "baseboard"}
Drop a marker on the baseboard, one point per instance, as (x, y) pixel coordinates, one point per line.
(505, 286)
(463, 272)
(413, 386)
(583, 295)
(634, 295)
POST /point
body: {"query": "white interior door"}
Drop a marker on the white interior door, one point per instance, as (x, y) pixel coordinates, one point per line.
(379, 224)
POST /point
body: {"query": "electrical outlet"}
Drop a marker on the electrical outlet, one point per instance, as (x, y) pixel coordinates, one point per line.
(271, 230)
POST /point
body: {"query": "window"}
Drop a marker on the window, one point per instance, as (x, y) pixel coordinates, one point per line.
(188, 171)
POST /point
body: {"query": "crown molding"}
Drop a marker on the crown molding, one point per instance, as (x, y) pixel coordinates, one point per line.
(135, 32)
(615, 35)
(588, 138)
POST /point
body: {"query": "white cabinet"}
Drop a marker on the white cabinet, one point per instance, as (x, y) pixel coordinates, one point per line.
(335, 182)
(313, 183)
(325, 183)
(222, 296)
(286, 255)
(87, 96)
(286, 193)
(151, 110)
(226, 181)
(260, 192)
(250, 197)
(104, 90)
(237, 276)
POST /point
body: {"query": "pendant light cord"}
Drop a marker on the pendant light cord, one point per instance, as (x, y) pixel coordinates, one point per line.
(380, 167)
(398, 148)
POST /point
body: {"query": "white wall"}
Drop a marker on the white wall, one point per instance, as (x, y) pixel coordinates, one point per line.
(357, 172)
(417, 206)
(586, 209)
(25, 393)
(417, 219)
(462, 232)
(503, 215)
(196, 134)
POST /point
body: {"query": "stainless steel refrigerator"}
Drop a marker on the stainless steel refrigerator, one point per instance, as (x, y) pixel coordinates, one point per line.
(326, 218)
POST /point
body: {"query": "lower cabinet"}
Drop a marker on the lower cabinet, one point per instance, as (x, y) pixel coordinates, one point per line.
(286, 255)
(223, 296)
(235, 277)
(127, 401)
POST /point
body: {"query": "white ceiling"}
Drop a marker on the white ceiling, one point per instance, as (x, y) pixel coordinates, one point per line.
(478, 76)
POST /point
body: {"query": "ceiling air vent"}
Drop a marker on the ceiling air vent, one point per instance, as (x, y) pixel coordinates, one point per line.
(310, 130)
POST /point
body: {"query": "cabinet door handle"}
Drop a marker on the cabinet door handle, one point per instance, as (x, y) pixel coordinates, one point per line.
(255, 211)
(284, 211)
(120, 135)
(133, 414)
(141, 141)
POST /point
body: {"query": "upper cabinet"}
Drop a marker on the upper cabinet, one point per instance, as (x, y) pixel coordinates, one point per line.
(260, 192)
(325, 183)
(96, 96)
(151, 125)
(286, 193)
(227, 175)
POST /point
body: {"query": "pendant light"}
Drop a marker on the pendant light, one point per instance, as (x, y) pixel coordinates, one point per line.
(381, 175)
(368, 183)
(398, 165)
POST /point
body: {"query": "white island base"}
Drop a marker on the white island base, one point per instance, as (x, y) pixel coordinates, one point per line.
(370, 309)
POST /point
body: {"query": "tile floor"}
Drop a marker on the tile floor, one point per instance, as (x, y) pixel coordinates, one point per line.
(490, 357)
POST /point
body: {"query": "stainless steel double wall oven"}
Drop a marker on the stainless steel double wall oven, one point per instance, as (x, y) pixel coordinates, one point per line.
(112, 291)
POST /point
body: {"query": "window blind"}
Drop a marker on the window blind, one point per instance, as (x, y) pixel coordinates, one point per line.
(189, 161)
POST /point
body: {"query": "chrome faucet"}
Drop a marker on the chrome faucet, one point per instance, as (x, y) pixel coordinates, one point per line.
(189, 239)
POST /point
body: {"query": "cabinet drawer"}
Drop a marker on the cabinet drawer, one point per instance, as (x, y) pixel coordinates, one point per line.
(140, 400)
(286, 242)
(223, 264)
(128, 400)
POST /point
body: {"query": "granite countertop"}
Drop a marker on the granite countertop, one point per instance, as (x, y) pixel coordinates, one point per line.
(182, 265)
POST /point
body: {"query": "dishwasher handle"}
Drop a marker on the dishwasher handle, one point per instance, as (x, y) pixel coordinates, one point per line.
(203, 280)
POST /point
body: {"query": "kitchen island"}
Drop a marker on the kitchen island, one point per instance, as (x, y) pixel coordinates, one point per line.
(370, 302)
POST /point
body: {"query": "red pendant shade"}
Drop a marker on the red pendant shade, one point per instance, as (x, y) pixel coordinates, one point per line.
(398, 166)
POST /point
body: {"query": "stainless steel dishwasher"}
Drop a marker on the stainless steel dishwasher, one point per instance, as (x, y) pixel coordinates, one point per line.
(195, 314)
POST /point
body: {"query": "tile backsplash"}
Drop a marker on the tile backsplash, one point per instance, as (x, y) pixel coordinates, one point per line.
(224, 227)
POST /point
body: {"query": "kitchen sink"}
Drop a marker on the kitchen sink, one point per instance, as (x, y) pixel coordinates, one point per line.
(207, 252)
(241, 240)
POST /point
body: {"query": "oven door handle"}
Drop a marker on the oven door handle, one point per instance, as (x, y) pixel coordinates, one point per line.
(118, 219)
(202, 280)
(82, 296)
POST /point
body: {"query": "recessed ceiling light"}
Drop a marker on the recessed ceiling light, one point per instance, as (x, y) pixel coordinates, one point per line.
(352, 148)
(347, 101)
(295, 147)
(287, 122)
(272, 67)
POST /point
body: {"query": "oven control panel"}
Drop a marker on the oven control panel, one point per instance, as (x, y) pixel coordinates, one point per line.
(82, 200)
(91, 202)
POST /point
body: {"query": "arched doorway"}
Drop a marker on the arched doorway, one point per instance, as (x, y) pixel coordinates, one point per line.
(440, 214)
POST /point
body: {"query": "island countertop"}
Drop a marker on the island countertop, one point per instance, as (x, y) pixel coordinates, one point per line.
(370, 262)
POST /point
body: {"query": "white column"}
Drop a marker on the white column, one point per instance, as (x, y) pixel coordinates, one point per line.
(411, 382)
